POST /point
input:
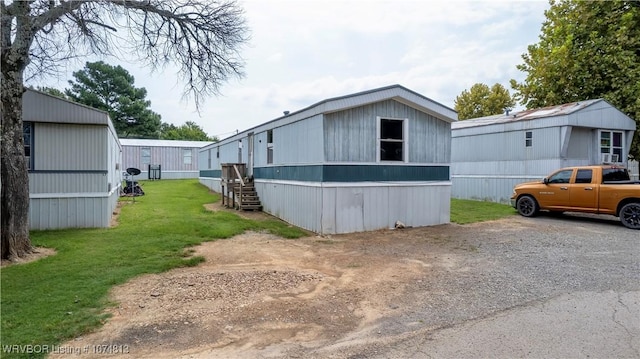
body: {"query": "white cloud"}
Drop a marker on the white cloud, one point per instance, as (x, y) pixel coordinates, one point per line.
(302, 52)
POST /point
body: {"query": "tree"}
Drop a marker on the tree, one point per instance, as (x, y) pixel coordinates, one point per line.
(190, 131)
(587, 50)
(482, 101)
(202, 37)
(111, 88)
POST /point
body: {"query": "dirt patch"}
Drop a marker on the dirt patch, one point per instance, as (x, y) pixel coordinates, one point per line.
(260, 295)
(37, 253)
(255, 215)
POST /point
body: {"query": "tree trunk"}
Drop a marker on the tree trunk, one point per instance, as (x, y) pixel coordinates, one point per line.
(15, 177)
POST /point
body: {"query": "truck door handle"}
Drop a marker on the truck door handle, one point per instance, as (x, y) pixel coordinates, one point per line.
(588, 188)
(563, 188)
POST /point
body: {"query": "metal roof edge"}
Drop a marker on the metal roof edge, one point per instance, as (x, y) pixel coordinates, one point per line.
(333, 104)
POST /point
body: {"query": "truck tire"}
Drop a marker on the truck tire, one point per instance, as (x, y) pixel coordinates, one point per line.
(630, 215)
(527, 206)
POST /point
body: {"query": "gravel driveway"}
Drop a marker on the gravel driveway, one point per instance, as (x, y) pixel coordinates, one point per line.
(559, 286)
(565, 286)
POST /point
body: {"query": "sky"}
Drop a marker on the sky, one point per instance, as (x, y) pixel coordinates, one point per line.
(305, 51)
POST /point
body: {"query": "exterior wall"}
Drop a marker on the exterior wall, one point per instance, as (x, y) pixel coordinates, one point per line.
(490, 157)
(333, 208)
(351, 135)
(634, 170)
(75, 180)
(71, 212)
(325, 176)
(169, 157)
(298, 143)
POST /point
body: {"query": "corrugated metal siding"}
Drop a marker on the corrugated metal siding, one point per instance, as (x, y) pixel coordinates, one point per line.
(506, 146)
(70, 147)
(211, 183)
(297, 204)
(357, 209)
(41, 107)
(351, 135)
(170, 158)
(299, 142)
(68, 183)
(343, 209)
(57, 213)
(582, 144)
(429, 139)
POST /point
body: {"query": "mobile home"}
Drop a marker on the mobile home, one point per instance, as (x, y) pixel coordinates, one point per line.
(490, 155)
(74, 157)
(167, 159)
(353, 163)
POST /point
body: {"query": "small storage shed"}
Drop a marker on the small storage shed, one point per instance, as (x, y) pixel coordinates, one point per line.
(490, 155)
(353, 163)
(74, 157)
(168, 159)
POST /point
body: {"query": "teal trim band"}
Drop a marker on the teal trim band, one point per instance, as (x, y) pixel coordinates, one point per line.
(353, 173)
(70, 171)
(211, 173)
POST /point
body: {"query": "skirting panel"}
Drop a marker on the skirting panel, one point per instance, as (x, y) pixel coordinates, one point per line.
(59, 213)
(330, 208)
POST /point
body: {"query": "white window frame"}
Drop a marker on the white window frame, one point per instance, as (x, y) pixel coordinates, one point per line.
(187, 156)
(269, 147)
(145, 155)
(405, 139)
(608, 156)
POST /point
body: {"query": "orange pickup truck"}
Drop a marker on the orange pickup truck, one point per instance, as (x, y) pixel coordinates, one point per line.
(604, 189)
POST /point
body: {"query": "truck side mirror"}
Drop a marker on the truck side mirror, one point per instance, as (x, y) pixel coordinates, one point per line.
(545, 180)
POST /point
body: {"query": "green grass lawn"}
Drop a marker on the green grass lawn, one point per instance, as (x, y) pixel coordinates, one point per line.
(466, 211)
(62, 296)
(59, 297)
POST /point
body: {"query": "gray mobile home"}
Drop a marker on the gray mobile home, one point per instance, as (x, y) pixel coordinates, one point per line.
(74, 160)
(347, 164)
(490, 155)
(170, 159)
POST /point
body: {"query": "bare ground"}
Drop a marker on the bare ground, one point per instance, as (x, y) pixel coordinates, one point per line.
(258, 295)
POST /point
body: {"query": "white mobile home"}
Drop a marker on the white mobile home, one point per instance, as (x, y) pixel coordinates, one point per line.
(168, 159)
(491, 154)
(74, 160)
(347, 164)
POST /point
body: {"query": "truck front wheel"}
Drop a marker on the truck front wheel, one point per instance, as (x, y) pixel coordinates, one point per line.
(527, 206)
(630, 215)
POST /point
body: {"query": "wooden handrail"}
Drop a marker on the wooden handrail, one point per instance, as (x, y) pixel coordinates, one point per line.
(238, 174)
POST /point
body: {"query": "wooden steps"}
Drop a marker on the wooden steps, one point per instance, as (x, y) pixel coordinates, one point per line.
(246, 197)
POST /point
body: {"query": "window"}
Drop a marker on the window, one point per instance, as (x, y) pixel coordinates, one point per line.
(217, 152)
(146, 156)
(528, 139)
(391, 135)
(561, 177)
(27, 134)
(209, 158)
(611, 146)
(186, 156)
(584, 176)
(269, 146)
(615, 174)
